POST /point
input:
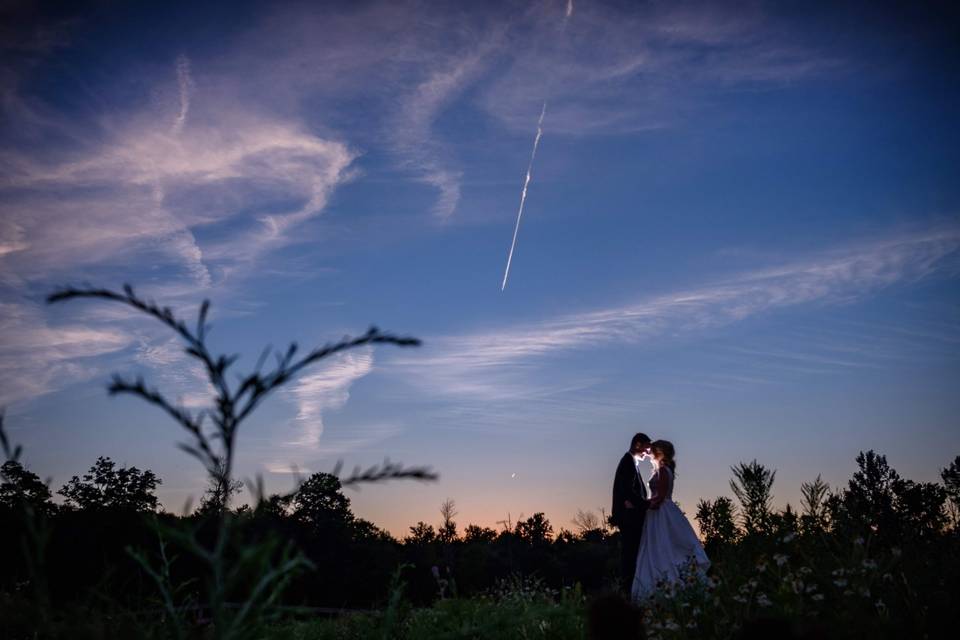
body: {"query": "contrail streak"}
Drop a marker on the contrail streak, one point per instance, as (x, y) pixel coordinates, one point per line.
(526, 183)
(523, 194)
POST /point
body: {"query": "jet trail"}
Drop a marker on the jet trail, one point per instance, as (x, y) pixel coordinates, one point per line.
(526, 183)
(523, 194)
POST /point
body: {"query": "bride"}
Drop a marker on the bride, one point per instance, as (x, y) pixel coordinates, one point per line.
(668, 543)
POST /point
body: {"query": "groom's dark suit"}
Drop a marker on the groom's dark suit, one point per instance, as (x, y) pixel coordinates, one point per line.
(628, 486)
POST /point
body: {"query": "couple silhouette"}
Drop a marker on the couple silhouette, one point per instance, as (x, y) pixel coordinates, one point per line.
(657, 543)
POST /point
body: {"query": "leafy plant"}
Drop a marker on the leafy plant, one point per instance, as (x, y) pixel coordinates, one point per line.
(269, 564)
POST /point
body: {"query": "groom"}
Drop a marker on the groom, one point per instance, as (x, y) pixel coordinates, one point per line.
(630, 507)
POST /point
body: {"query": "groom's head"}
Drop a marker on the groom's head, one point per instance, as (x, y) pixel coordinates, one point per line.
(640, 443)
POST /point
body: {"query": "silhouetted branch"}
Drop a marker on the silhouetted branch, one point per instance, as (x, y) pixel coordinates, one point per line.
(232, 406)
(387, 471)
(10, 452)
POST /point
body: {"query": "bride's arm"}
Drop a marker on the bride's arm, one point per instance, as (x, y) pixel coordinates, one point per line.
(663, 489)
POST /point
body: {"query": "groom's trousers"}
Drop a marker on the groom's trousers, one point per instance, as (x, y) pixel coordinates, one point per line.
(631, 530)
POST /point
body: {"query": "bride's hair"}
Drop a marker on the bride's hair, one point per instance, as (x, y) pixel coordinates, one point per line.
(666, 449)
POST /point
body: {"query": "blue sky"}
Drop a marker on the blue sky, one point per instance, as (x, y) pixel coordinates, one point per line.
(741, 234)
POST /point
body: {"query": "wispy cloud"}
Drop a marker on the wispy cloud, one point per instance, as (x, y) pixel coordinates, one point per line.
(489, 363)
(179, 376)
(184, 83)
(139, 184)
(344, 441)
(411, 133)
(325, 390)
(36, 357)
(186, 199)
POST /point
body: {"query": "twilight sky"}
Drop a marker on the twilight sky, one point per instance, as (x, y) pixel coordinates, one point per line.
(742, 234)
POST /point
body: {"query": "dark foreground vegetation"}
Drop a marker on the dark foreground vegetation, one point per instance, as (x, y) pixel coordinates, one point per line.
(876, 558)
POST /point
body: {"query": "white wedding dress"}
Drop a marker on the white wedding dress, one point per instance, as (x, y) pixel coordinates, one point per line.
(668, 544)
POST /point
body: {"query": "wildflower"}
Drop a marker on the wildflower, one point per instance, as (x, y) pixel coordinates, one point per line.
(763, 600)
(739, 598)
(887, 577)
(811, 588)
(804, 571)
(780, 559)
(840, 582)
(761, 567)
(789, 537)
(880, 605)
(670, 625)
(837, 572)
(817, 597)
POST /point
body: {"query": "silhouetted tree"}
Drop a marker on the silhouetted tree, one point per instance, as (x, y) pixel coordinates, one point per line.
(786, 521)
(319, 502)
(448, 528)
(752, 484)
(21, 487)
(106, 486)
(274, 506)
(220, 488)
(421, 534)
(535, 530)
(951, 482)
(586, 521)
(477, 534)
(814, 495)
(921, 507)
(717, 525)
(866, 506)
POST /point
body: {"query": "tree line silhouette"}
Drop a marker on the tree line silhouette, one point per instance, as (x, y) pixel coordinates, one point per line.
(112, 508)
